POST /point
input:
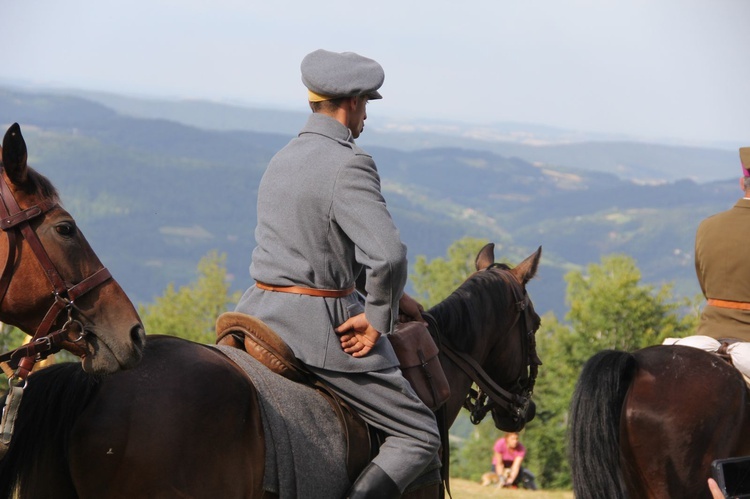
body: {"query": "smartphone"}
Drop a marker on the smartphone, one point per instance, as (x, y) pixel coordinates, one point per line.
(733, 476)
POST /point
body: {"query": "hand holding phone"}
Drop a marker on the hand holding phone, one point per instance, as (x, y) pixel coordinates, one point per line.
(733, 476)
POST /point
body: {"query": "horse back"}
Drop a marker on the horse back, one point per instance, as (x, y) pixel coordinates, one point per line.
(685, 407)
(183, 421)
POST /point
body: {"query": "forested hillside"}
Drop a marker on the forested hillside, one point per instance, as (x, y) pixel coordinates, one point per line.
(153, 196)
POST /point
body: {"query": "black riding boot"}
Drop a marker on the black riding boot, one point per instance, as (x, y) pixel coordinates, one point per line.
(374, 483)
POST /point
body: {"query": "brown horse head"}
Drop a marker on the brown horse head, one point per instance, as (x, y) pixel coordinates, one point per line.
(108, 335)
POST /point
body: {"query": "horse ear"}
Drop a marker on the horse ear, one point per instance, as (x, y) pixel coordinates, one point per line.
(486, 257)
(14, 154)
(526, 270)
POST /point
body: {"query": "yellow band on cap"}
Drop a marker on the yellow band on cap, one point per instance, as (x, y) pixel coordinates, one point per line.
(313, 97)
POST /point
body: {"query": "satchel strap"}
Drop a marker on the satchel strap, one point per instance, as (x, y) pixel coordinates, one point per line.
(441, 416)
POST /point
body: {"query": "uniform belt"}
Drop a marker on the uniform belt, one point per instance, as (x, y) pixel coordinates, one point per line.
(301, 290)
(737, 305)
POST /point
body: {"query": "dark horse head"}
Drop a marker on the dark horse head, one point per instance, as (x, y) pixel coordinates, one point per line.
(490, 321)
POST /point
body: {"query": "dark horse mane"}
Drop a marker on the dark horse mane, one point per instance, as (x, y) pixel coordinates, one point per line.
(473, 304)
(54, 398)
(38, 183)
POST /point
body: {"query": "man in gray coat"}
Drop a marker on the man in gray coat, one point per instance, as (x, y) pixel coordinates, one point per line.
(323, 226)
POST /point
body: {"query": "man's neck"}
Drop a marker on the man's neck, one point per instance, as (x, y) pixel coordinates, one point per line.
(337, 114)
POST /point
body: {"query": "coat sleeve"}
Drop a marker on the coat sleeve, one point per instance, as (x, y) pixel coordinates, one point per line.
(360, 211)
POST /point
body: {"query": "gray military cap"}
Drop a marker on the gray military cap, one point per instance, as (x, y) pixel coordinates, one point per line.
(330, 75)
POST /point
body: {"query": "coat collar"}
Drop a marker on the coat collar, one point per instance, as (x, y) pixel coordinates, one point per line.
(328, 127)
(742, 203)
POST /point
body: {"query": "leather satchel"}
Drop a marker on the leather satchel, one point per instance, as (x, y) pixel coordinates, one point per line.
(419, 362)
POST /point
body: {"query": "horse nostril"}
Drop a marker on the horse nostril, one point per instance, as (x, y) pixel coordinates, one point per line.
(138, 336)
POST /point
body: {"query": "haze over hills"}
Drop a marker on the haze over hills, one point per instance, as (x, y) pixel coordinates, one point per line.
(627, 157)
(156, 185)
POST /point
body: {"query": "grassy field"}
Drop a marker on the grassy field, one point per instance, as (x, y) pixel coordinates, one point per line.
(464, 489)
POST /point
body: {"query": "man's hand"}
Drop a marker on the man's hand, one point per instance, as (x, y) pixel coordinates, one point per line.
(357, 336)
(409, 309)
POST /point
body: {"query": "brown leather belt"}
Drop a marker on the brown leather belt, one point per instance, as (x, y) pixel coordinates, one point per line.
(737, 305)
(301, 290)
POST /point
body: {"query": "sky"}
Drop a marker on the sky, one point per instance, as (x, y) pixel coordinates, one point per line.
(672, 69)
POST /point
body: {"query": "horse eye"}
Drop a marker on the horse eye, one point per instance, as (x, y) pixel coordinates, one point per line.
(65, 229)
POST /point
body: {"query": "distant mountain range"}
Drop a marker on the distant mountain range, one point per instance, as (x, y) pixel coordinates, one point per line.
(644, 162)
(156, 185)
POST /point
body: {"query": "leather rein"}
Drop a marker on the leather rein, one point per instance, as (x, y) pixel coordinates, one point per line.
(15, 222)
(491, 396)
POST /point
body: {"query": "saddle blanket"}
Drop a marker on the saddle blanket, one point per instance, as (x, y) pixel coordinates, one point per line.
(305, 447)
(739, 351)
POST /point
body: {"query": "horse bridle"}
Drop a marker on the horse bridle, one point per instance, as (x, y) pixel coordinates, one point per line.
(15, 221)
(491, 396)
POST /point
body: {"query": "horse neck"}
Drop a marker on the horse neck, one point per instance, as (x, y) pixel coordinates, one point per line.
(478, 319)
(452, 321)
(459, 384)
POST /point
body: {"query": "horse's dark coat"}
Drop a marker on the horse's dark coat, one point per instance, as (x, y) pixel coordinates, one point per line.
(649, 424)
(309, 452)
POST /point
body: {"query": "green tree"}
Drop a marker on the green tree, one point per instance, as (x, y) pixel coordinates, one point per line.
(190, 312)
(545, 435)
(433, 281)
(610, 308)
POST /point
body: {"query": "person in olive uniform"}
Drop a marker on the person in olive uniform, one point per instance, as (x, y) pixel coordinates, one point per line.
(323, 226)
(723, 267)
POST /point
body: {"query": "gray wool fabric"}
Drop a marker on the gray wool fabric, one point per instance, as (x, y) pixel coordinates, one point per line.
(344, 74)
(387, 401)
(305, 447)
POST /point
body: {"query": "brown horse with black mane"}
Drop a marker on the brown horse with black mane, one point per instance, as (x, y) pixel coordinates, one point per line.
(186, 422)
(53, 286)
(648, 424)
